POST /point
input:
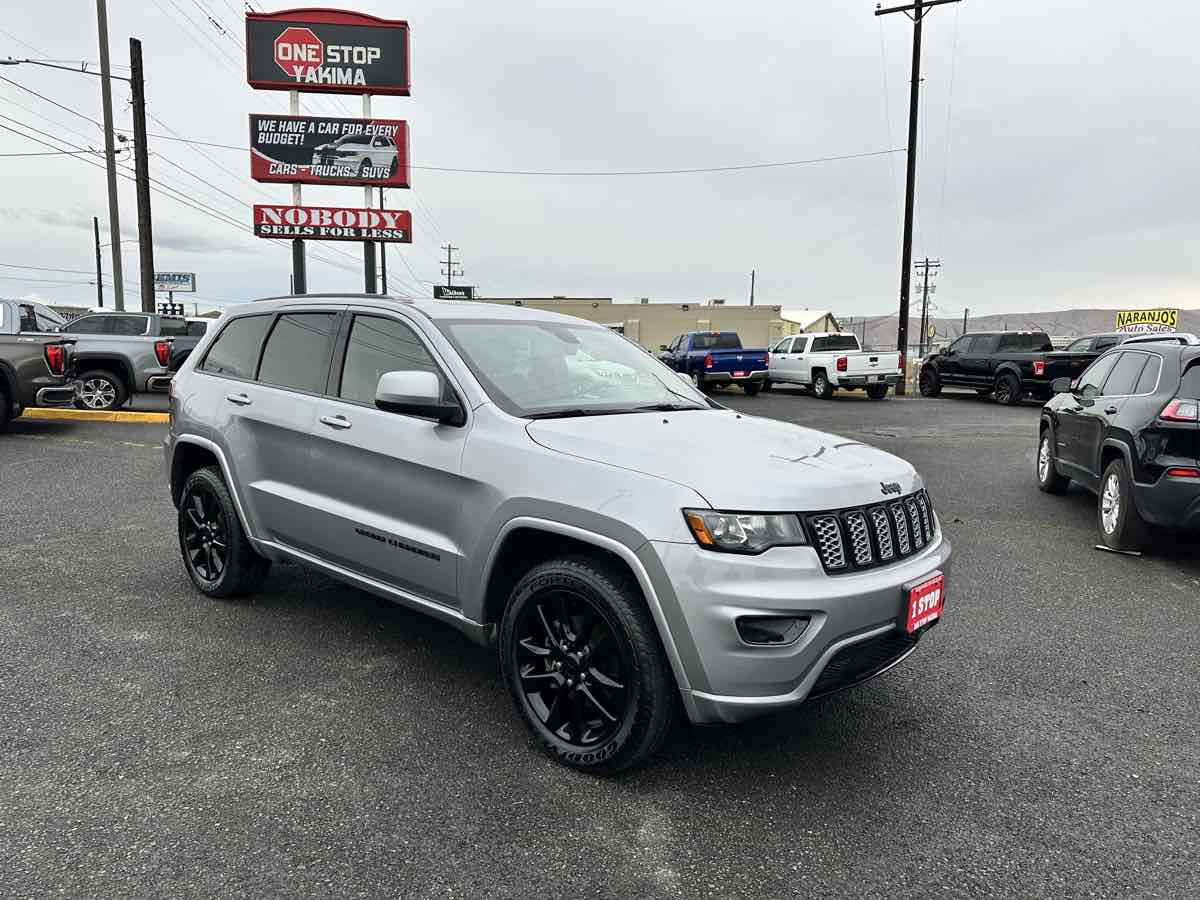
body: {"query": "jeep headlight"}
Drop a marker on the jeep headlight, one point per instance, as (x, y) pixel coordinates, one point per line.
(744, 532)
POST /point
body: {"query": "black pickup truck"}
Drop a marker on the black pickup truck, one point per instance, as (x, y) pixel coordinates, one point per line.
(35, 369)
(1010, 365)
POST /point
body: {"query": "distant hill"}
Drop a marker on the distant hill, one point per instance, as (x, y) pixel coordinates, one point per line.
(881, 330)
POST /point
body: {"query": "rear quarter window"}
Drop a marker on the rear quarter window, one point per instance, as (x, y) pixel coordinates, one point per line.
(235, 351)
(1149, 377)
(1190, 386)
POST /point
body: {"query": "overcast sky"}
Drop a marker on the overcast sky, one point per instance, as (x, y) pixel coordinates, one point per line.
(1058, 162)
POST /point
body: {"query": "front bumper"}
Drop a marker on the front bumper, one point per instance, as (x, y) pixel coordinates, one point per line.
(859, 381)
(853, 624)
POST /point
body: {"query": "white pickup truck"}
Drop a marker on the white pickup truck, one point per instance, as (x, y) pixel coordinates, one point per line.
(827, 361)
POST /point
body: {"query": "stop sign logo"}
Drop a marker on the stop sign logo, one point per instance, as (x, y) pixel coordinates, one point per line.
(297, 51)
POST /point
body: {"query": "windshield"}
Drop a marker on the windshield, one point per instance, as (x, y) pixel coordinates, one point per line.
(547, 369)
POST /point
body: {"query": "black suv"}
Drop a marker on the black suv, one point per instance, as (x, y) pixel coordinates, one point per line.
(1128, 429)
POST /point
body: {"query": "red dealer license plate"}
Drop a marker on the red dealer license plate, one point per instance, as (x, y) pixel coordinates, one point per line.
(739, 374)
(924, 602)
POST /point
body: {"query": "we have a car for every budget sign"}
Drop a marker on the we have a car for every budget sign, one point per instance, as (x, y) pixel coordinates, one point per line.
(320, 150)
(332, 223)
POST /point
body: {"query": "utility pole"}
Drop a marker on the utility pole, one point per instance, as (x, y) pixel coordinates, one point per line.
(925, 266)
(449, 271)
(141, 171)
(751, 287)
(110, 155)
(299, 273)
(915, 11)
(99, 273)
(965, 311)
(382, 251)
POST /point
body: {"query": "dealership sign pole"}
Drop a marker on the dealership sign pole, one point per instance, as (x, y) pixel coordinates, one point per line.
(329, 51)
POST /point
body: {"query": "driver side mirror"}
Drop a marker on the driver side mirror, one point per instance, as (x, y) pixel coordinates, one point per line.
(1061, 386)
(417, 394)
(663, 347)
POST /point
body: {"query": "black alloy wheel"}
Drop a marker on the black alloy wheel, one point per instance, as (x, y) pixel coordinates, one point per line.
(1008, 390)
(204, 534)
(928, 383)
(572, 670)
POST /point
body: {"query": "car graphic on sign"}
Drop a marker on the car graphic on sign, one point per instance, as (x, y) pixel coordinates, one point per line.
(356, 156)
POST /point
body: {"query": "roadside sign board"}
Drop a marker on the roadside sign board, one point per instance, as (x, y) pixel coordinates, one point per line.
(175, 281)
(453, 292)
(170, 309)
(320, 150)
(327, 51)
(332, 223)
(1148, 320)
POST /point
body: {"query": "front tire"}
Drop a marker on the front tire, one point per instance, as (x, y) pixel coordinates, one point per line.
(1049, 480)
(821, 386)
(582, 660)
(699, 383)
(1121, 525)
(101, 391)
(216, 553)
(928, 383)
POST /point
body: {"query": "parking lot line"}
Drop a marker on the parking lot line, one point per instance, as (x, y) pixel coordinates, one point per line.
(91, 415)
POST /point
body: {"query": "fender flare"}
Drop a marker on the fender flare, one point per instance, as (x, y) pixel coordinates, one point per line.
(124, 369)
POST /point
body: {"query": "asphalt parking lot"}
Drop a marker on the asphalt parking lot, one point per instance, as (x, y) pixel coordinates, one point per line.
(317, 741)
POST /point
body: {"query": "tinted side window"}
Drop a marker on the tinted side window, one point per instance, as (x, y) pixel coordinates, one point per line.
(86, 325)
(982, 344)
(235, 351)
(1039, 342)
(1090, 381)
(1081, 345)
(1011, 342)
(297, 352)
(126, 325)
(197, 329)
(1149, 379)
(1125, 374)
(376, 346)
(169, 326)
(1190, 387)
(1104, 343)
(961, 345)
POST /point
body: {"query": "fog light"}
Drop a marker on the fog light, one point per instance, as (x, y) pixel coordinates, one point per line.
(777, 630)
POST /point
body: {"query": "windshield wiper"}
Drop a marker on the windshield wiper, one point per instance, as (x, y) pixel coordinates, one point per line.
(670, 407)
(576, 413)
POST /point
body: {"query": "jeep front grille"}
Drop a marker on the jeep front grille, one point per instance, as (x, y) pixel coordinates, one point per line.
(857, 538)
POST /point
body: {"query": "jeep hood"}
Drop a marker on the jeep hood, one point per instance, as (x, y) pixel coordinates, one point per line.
(735, 461)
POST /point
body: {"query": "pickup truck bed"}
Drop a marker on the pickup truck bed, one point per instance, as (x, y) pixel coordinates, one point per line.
(35, 370)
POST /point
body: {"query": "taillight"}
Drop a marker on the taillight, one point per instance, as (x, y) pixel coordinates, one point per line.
(1181, 411)
(162, 352)
(842, 363)
(708, 361)
(1183, 472)
(56, 359)
(1039, 367)
(766, 360)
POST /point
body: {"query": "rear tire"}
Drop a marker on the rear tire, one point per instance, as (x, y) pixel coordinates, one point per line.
(877, 391)
(928, 383)
(1121, 525)
(1049, 480)
(1008, 390)
(821, 387)
(101, 391)
(766, 386)
(582, 660)
(6, 408)
(216, 553)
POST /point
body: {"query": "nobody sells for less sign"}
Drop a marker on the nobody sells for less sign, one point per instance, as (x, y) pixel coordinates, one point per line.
(332, 223)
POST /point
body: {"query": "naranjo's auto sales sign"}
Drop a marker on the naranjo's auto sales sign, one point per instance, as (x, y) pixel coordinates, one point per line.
(315, 150)
(327, 51)
(330, 223)
(1148, 320)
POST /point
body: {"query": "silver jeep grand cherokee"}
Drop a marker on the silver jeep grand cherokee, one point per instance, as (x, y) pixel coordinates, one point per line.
(545, 485)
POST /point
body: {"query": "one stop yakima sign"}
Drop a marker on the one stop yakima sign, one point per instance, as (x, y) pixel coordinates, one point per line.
(331, 223)
(298, 50)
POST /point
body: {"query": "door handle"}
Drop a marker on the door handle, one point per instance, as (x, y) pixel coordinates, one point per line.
(239, 399)
(1111, 410)
(340, 422)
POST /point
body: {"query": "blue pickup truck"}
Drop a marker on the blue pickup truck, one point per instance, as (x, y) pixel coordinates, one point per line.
(714, 358)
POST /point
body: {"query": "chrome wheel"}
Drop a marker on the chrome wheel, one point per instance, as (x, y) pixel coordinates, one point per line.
(1044, 459)
(98, 393)
(1110, 504)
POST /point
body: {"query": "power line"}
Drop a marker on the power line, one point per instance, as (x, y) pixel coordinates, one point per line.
(54, 153)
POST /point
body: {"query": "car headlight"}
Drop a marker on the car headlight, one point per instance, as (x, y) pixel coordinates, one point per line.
(744, 532)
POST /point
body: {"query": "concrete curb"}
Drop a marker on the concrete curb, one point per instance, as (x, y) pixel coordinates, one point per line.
(89, 415)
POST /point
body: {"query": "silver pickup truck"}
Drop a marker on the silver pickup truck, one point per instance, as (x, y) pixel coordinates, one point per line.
(114, 354)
